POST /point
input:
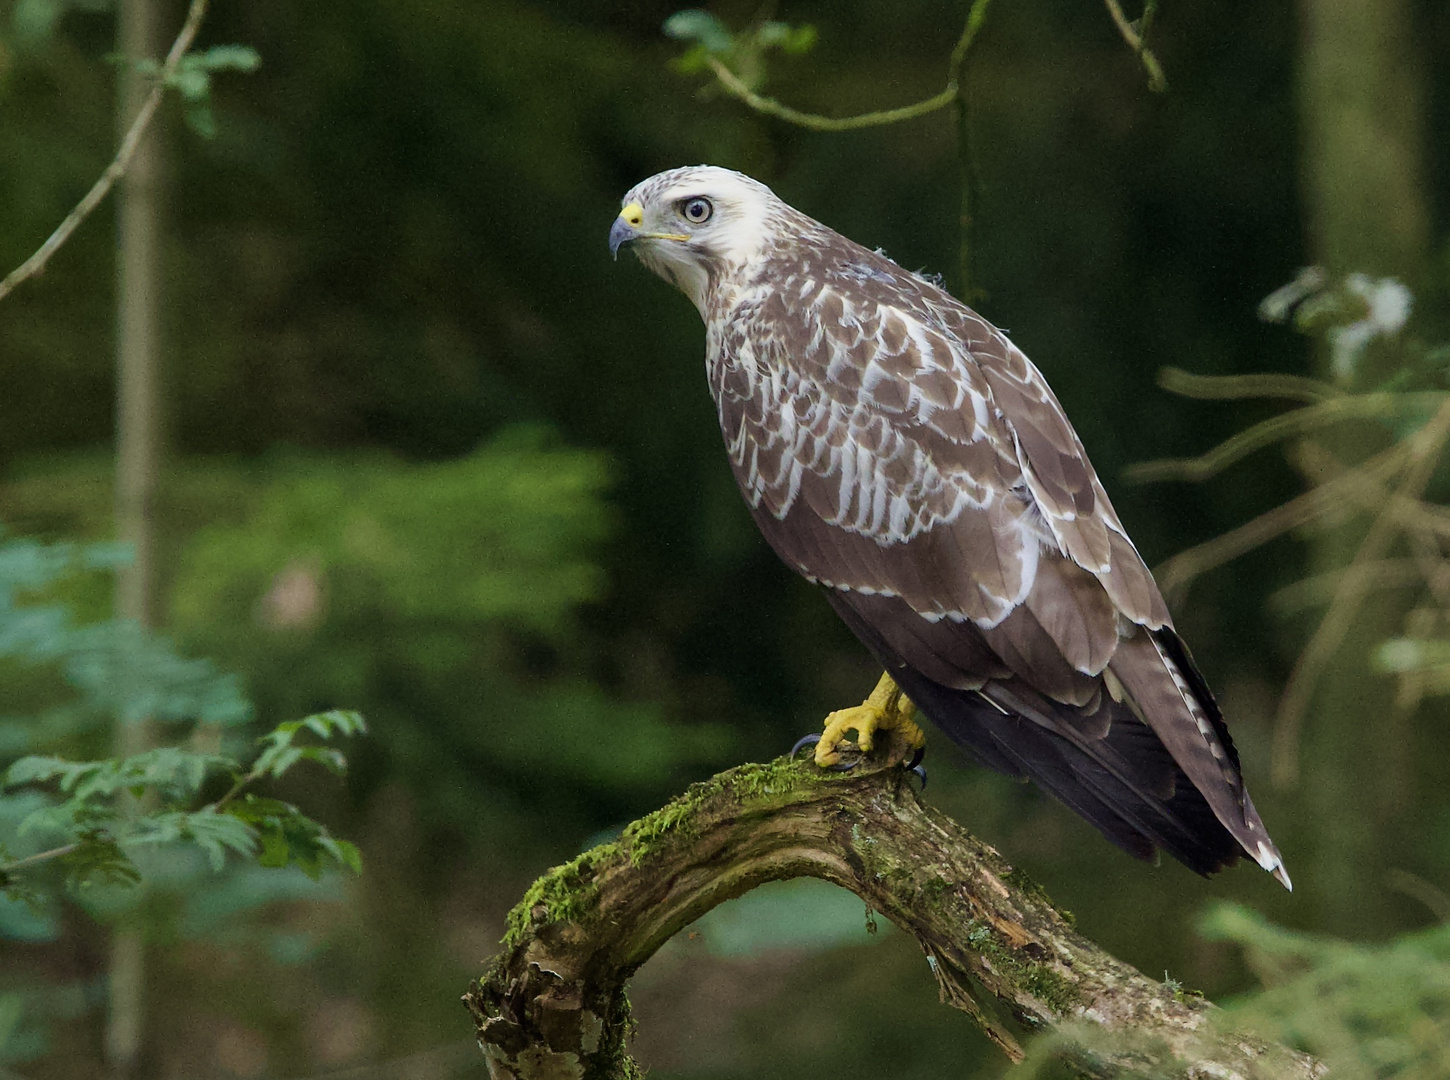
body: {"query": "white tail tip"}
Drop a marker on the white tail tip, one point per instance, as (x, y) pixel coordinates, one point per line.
(1271, 861)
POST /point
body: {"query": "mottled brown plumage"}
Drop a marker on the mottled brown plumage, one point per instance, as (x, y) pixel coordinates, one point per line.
(899, 450)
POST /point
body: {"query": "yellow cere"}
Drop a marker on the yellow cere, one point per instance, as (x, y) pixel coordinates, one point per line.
(633, 214)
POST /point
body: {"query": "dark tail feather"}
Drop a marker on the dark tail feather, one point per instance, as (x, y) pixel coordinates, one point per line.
(1125, 784)
(1109, 767)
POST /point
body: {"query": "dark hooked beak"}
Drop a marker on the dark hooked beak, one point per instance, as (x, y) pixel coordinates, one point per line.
(621, 233)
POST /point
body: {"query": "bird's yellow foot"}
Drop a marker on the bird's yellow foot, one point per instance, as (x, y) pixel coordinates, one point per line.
(886, 709)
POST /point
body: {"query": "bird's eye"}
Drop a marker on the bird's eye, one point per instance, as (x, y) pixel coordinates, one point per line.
(697, 210)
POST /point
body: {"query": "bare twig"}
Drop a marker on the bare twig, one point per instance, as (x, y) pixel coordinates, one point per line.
(1421, 522)
(38, 857)
(1236, 387)
(737, 89)
(816, 122)
(1329, 411)
(954, 93)
(1136, 37)
(966, 156)
(1423, 452)
(1175, 573)
(120, 163)
(1320, 588)
(1417, 888)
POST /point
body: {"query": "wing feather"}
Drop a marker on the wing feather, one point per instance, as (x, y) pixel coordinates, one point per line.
(900, 450)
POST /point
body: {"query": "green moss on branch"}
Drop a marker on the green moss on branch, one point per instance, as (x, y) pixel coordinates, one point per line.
(553, 1005)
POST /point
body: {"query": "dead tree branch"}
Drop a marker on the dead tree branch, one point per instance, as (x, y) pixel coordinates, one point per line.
(553, 1004)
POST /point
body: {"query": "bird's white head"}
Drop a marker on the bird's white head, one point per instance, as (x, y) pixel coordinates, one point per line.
(696, 225)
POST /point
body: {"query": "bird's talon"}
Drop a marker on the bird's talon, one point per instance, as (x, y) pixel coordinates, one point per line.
(803, 742)
(884, 710)
(835, 764)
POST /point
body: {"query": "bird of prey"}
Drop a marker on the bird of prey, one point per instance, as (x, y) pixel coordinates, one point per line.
(897, 449)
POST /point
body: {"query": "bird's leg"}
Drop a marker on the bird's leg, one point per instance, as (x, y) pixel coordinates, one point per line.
(885, 709)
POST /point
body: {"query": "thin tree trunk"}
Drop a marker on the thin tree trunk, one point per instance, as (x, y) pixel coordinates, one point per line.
(1362, 109)
(138, 451)
(1362, 115)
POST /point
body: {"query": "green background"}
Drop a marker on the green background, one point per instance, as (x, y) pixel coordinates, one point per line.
(402, 372)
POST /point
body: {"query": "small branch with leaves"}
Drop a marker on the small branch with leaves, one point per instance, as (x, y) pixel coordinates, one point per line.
(738, 62)
(553, 1003)
(189, 74)
(98, 841)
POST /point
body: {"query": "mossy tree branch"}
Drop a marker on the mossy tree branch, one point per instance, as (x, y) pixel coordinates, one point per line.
(553, 1004)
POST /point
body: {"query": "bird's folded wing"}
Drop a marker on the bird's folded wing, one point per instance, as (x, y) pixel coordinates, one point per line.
(913, 454)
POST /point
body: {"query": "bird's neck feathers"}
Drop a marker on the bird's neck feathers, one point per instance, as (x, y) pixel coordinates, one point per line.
(737, 271)
(721, 268)
(689, 271)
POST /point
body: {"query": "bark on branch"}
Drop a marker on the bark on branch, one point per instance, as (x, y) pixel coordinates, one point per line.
(553, 1004)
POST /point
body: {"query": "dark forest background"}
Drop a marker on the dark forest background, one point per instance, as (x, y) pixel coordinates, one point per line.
(431, 455)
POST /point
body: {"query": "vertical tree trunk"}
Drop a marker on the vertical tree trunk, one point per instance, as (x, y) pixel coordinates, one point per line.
(138, 448)
(1361, 103)
(1362, 109)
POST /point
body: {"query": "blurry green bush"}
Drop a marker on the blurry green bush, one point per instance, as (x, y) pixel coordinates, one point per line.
(443, 598)
(114, 836)
(1366, 1011)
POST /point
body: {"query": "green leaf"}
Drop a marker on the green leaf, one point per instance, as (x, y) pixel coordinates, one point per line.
(274, 850)
(98, 860)
(170, 770)
(215, 833)
(191, 82)
(64, 820)
(327, 757)
(772, 34)
(279, 755)
(291, 838)
(345, 852)
(191, 77)
(226, 58)
(700, 27)
(801, 40)
(338, 721)
(692, 61)
(279, 760)
(37, 769)
(258, 809)
(125, 671)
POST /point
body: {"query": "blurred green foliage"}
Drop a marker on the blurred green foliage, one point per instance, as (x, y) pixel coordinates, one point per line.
(1363, 1010)
(191, 78)
(744, 52)
(118, 671)
(456, 583)
(87, 831)
(435, 457)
